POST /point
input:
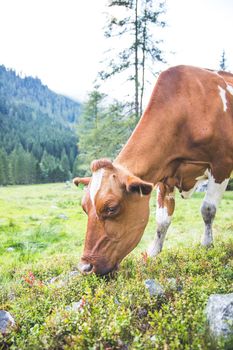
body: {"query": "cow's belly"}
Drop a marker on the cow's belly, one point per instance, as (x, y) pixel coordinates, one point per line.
(189, 177)
(188, 194)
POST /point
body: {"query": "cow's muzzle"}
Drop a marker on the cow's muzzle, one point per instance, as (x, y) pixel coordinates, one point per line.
(98, 268)
(85, 267)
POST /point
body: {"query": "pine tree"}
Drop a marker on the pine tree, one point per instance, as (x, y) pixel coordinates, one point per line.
(137, 29)
(65, 165)
(222, 63)
(3, 168)
(31, 168)
(102, 131)
(47, 165)
(20, 166)
(89, 128)
(13, 160)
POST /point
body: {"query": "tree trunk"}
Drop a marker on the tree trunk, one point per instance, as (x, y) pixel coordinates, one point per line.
(136, 63)
(143, 68)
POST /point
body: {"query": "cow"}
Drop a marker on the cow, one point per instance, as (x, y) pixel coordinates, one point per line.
(184, 136)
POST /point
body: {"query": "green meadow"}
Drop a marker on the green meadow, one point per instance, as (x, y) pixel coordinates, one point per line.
(42, 231)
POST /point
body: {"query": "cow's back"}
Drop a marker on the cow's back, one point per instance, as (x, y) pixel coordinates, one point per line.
(189, 118)
(205, 102)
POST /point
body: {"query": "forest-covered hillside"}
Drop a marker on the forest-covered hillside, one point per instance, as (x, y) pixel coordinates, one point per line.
(38, 141)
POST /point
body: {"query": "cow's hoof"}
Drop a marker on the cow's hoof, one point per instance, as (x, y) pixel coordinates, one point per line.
(153, 251)
(207, 244)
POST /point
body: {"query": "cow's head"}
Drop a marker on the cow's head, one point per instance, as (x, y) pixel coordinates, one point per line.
(117, 205)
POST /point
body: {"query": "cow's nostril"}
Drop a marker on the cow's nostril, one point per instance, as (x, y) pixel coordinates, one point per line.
(85, 267)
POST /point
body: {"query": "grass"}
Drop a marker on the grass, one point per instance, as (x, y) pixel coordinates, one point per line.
(42, 229)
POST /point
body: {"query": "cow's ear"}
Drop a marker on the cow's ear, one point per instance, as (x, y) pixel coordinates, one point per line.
(81, 180)
(101, 163)
(136, 185)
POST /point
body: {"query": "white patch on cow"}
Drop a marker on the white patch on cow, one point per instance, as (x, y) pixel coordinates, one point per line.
(230, 89)
(222, 94)
(96, 183)
(215, 190)
(162, 216)
(157, 245)
(163, 221)
(170, 195)
(211, 201)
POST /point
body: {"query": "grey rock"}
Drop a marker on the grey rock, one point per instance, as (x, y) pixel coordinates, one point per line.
(154, 288)
(172, 283)
(219, 311)
(68, 184)
(6, 321)
(62, 280)
(11, 295)
(116, 301)
(142, 312)
(122, 345)
(153, 338)
(76, 306)
(10, 249)
(54, 279)
(62, 216)
(73, 274)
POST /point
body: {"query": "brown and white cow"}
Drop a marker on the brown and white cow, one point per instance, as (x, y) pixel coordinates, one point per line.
(184, 136)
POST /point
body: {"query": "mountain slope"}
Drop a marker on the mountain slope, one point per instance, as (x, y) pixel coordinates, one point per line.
(32, 92)
(37, 131)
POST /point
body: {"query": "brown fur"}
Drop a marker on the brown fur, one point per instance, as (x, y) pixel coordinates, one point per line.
(101, 163)
(81, 180)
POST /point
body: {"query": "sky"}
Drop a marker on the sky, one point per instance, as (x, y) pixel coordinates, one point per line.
(62, 41)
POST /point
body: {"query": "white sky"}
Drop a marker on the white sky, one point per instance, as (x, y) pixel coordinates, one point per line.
(62, 41)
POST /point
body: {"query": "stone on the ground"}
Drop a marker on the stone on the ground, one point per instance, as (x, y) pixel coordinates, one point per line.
(10, 249)
(153, 338)
(142, 312)
(62, 280)
(172, 283)
(76, 306)
(219, 311)
(154, 288)
(6, 321)
(53, 280)
(62, 216)
(73, 274)
(116, 301)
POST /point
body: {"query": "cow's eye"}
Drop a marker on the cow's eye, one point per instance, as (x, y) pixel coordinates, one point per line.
(111, 210)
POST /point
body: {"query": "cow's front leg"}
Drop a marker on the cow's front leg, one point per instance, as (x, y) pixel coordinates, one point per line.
(209, 206)
(164, 210)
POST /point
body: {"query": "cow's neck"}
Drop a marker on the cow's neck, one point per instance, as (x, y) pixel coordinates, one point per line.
(147, 153)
